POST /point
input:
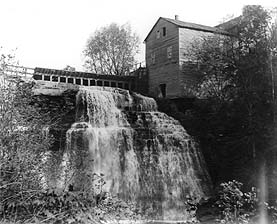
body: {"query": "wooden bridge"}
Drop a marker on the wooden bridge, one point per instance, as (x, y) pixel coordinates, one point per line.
(136, 81)
(83, 78)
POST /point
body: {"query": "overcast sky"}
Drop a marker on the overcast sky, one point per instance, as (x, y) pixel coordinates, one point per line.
(53, 33)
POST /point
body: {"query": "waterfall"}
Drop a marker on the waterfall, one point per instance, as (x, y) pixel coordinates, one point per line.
(120, 143)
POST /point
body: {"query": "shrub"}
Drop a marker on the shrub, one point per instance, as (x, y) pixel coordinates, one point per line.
(23, 146)
(235, 205)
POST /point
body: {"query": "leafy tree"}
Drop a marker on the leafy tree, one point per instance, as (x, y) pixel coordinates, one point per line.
(253, 79)
(216, 61)
(69, 68)
(111, 50)
(236, 83)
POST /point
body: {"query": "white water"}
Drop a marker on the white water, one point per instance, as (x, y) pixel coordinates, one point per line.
(143, 155)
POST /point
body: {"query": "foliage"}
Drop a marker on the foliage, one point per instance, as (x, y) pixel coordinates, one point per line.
(111, 50)
(52, 206)
(216, 66)
(236, 206)
(69, 68)
(231, 204)
(23, 142)
(234, 122)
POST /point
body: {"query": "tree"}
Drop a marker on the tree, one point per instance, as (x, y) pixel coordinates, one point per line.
(111, 50)
(69, 68)
(253, 79)
(216, 66)
(236, 84)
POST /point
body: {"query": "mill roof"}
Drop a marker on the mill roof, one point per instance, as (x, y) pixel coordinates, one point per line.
(228, 25)
(193, 26)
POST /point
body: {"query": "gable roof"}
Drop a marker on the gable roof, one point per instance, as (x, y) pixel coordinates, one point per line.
(228, 25)
(192, 26)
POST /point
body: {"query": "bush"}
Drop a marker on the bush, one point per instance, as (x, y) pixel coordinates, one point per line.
(237, 206)
(50, 206)
(23, 146)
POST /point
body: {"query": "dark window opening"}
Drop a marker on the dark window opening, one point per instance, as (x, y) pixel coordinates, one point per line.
(92, 82)
(99, 83)
(55, 78)
(164, 31)
(37, 77)
(47, 78)
(158, 34)
(62, 79)
(70, 80)
(78, 81)
(85, 82)
(106, 83)
(169, 52)
(126, 86)
(153, 58)
(119, 85)
(163, 90)
(113, 84)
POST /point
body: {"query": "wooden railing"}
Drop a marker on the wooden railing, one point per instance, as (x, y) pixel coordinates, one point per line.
(16, 70)
(83, 78)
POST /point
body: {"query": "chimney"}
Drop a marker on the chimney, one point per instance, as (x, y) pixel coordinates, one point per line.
(176, 17)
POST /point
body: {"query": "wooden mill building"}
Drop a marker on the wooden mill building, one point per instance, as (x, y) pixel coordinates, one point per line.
(166, 61)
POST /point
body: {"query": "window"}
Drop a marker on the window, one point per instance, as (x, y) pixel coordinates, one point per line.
(70, 80)
(85, 82)
(158, 34)
(99, 83)
(169, 52)
(120, 85)
(106, 83)
(153, 58)
(37, 77)
(92, 82)
(62, 79)
(164, 31)
(55, 78)
(113, 84)
(78, 81)
(47, 78)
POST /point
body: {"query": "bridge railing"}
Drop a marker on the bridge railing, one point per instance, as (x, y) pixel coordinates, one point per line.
(136, 81)
(16, 70)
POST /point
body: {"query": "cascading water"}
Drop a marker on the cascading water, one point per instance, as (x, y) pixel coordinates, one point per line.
(141, 154)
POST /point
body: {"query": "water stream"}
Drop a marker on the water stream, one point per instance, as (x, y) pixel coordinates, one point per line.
(120, 139)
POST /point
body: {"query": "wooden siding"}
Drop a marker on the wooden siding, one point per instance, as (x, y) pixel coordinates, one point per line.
(188, 77)
(186, 38)
(178, 75)
(165, 70)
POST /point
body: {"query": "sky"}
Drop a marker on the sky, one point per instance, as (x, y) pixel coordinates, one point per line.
(53, 33)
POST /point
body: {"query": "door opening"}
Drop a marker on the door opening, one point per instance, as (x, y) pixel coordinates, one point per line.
(163, 90)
